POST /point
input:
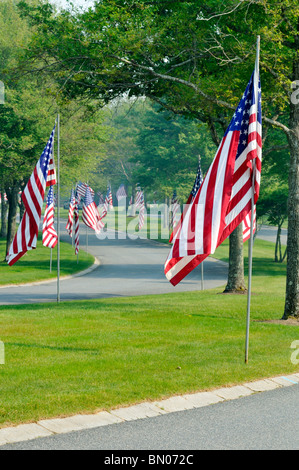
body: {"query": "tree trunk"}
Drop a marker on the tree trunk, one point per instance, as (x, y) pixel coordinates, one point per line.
(12, 196)
(292, 282)
(3, 216)
(235, 282)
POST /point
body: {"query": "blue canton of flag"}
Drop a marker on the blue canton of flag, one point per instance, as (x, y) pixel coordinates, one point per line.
(198, 181)
(46, 155)
(241, 118)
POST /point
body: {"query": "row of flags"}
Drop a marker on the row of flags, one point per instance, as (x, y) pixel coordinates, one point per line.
(216, 205)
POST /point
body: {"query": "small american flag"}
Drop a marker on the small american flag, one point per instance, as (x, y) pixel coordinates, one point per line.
(141, 211)
(51, 178)
(108, 204)
(101, 199)
(69, 225)
(139, 196)
(77, 223)
(90, 213)
(197, 184)
(175, 206)
(225, 196)
(121, 192)
(33, 198)
(50, 238)
(81, 189)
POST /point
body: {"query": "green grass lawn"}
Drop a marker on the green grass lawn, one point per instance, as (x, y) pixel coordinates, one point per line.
(72, 357)
(35, 264)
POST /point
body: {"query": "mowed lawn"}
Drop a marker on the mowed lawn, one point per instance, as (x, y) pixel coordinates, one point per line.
(35, 264)
(82, 357)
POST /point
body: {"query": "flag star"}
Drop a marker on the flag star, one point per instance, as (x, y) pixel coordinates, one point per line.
(239, 110)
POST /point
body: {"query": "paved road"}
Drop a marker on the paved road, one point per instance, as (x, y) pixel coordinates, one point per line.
(128, 267)
(267, 232)
(262, 421)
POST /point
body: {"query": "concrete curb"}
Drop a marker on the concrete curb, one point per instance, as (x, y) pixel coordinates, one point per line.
(50, 427)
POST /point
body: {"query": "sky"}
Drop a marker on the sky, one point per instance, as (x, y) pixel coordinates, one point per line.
(79, 3)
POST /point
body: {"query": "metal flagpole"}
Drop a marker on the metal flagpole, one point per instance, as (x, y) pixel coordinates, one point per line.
(202, 275)
(51, 260)
(58, 208)
(250, 244)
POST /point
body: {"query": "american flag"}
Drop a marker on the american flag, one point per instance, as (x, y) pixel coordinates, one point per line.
(69, 225)
(51, 178)
(139, 195)
(50, 237)
(225, 196)
(141, 211)
(247, 224)
(77, 223)
(121, 192)
(33, 198)
(197, 184)
(174, 208)
(90, 213)
(101, 199)
(81, 189)
(108, 204)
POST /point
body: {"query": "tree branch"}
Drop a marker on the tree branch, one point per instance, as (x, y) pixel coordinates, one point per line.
(222, 103)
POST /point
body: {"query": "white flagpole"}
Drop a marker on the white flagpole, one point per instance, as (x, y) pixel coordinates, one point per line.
(58, 208)
(250, 243)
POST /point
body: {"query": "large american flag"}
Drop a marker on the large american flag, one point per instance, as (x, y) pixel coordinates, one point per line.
(69, 225)
(50, 237)
(225, 196)
(51, 178)
(33, 198)
(90, 213)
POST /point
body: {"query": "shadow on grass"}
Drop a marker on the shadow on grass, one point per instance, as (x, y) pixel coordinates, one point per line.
(52, 348)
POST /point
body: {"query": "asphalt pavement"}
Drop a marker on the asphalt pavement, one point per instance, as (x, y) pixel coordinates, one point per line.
(127, 268)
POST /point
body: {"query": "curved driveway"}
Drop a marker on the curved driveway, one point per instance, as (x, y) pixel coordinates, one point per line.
(127, 267)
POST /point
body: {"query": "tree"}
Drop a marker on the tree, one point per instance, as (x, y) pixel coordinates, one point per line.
(193, 58)
(27, 118)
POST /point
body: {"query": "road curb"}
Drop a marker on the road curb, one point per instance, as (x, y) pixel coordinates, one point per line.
(80, 422)
(94, 266)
